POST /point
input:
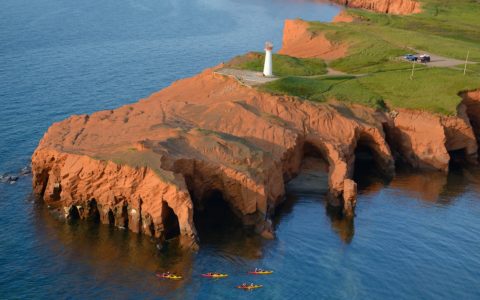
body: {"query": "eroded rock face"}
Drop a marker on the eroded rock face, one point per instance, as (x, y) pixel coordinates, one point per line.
(397, 7)
(298, 41)
(460, 134)
(201, 134)
(420, 139)
(425, 140)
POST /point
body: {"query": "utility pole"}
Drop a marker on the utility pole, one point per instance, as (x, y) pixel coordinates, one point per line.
(466, 62)
(413, 69)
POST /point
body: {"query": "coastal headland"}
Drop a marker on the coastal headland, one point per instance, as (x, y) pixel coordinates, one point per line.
(342, 88)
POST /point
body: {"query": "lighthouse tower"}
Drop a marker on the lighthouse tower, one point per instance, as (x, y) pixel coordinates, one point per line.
(267, 68)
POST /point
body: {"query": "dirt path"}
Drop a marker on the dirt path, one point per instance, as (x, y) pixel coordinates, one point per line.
(250, 78)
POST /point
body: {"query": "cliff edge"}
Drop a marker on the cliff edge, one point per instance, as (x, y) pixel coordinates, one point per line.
(169, 152)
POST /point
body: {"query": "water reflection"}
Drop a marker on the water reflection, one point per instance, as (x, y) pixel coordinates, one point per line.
(108, 249)
(343, 226)
(426, 186)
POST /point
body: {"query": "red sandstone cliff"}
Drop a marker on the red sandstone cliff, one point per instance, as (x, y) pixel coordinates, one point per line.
(300, 42)
(201, 134)
(398, 7)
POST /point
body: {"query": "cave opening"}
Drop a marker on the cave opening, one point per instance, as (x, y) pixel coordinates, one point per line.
(170, 222)
(111, 217)
(124, 217)
(312, 178)
(151, 229)
(213, 215)
(73, 213)
(93, 213)
(366, 170)
(458, 159)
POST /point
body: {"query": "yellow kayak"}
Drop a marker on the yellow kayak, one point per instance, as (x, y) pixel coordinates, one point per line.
(215, 275)
(249, 287)
(263, 272)
(169, 276)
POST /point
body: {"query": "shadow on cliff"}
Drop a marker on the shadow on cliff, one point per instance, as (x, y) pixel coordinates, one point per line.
(221, 229)
(368, 174)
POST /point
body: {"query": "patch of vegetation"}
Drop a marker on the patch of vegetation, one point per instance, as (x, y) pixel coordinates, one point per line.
(284, 65)
(432, 89)
(343, 88)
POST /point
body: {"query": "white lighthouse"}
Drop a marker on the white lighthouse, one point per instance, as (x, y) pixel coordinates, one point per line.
(267, 68)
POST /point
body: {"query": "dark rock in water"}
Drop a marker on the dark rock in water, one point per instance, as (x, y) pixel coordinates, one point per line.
(25, 171)
(11, 179)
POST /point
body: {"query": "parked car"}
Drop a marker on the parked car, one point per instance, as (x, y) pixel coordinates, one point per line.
(410, 57)
(424, 58)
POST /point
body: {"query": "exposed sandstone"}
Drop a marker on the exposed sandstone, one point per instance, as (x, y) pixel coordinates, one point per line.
(201, 134)
(420, 139)
(460, 134)
(299, 41)
(424, 140)
(397, 7)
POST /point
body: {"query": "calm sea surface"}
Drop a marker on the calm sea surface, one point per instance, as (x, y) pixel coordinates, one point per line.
(416, 237)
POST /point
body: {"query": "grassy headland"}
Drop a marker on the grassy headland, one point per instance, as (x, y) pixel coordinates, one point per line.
(376, 43)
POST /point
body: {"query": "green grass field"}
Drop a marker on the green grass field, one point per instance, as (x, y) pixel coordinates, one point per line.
(432, 89)
(376, 44)
(284, 65)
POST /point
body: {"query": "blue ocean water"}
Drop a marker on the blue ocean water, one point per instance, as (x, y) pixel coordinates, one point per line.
(416, 237)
